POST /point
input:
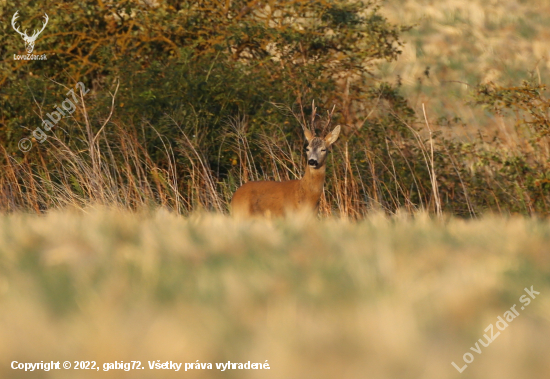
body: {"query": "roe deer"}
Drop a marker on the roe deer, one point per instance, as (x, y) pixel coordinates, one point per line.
(278, 199)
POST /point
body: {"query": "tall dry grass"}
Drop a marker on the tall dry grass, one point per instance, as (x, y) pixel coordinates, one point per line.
(398, 297)
(405, 165)
(113, 167)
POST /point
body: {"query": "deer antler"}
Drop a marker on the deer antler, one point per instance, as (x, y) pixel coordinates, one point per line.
(329, 118)
(24, 34)
(13, 25)
(313, 113)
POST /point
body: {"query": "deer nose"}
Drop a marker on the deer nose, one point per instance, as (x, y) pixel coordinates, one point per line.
(312, 162)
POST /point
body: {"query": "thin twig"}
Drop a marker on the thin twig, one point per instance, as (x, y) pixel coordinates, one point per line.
(435, 187)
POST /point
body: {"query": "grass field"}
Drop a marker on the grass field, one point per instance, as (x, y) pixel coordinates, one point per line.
(455, 45)
(398, 297)
(395, 295)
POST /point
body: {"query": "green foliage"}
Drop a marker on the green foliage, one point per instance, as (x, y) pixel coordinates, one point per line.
(195, 61)
(189, 99)
(519, 179)
(527, 101)
(184, 69)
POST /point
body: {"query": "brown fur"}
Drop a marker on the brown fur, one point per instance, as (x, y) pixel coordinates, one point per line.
(279, 199)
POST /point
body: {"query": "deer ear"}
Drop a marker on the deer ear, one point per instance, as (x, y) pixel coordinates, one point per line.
(308, 134)
(332, 136)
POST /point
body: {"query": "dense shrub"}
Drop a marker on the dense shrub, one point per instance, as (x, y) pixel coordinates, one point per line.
(188, 99)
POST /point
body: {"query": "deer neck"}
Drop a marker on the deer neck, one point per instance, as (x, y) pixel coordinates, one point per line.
(312, 182)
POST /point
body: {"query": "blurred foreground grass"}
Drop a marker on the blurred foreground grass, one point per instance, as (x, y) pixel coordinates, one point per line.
(393, 297)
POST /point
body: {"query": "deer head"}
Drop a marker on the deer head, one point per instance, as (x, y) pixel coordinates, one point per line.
(29, 40)
(318, 148)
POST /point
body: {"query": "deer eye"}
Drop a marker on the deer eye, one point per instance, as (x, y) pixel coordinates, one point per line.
(323, 149)
(307, 149)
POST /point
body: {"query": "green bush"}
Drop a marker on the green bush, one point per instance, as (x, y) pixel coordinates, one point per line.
(189, 99)
(186, 68)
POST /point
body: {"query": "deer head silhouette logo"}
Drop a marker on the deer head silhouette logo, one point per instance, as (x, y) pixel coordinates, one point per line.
(29, 40)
